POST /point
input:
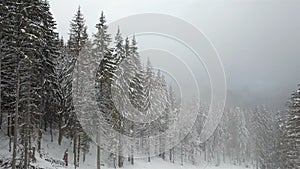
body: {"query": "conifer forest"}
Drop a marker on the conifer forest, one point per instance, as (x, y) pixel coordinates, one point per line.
(89, 99)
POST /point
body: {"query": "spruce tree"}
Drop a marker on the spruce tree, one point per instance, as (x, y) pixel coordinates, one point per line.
(292, 132)
(101, 39)
(78, 34)
(78, 38)
(100, 45)
(120, 51)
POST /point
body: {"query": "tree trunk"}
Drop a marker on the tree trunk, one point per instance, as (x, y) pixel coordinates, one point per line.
(162, 147)
(120, 156)
(149, 158)
(170, 155)
(132, 159)
(149, 149)
(181, 154)
(60, 130)
(193, 155)
(173, 160)
(0, 93)
(10, 141)
(120, 144)
(0, 108)
(51, 133)
(132, 148)
(27, 138)
(114, 161)
(9, 132)
(32, 155)
(9, 125)
(205, 152)
(45, 123)
(39, 141)
(78, 150)
(83, 157)
(40, 126)
(74, 150)
(224, 155)
(218, 158)
(26, 145)
(16, 120)
(98, 151)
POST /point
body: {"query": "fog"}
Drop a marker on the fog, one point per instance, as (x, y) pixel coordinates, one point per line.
(258, 41)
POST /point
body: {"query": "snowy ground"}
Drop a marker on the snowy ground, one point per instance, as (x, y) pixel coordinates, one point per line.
(54, 152)
(157, 164)
(160, 164)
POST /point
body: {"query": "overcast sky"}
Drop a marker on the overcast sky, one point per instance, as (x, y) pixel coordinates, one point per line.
(258, 41)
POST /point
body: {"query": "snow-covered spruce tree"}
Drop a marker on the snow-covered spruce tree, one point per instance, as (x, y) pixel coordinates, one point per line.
(243, 136)
(220, 142)
(10, 74)
(233, 143)
(186, 148)
(78, 34)
(283, 146)
(214, 148)
(264, 129)
(2, 44)
(101, 39)
(85, 85)
(170, 114)
(120, 52)
(8, 63)
(48, 80)
(162, 106)
(129, 82)
(278, 133)
(100, 44)
(173, 108)
(64, 70)
(137, 91)
(28, 108)
(76, 42)
(137, 98)
(124, 74)
(135, 66)
(148, 88)
(275, 141)
(2, 48)
(106, 75)
(135, 54)
(235, 136)
(31, 47)
(119, 72)
(148, 85)
(292, 132)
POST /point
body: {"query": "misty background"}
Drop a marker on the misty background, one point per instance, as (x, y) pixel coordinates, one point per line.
(258, 41)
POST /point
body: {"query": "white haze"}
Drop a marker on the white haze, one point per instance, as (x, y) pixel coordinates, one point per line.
(258, 41)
